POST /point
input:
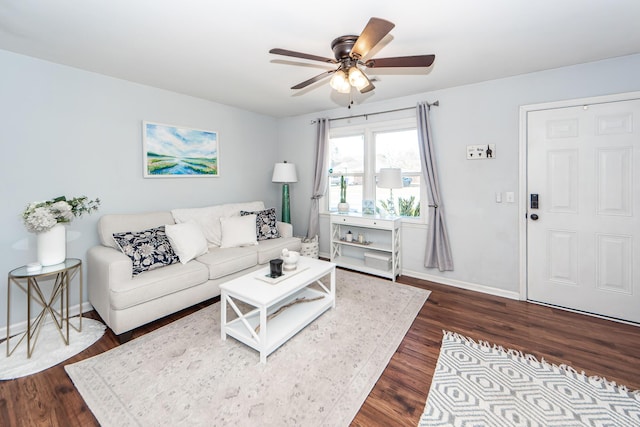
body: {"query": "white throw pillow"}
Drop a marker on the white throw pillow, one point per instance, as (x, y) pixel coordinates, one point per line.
(187, 240)
(205, 217)
(208, 218)
(238, 231)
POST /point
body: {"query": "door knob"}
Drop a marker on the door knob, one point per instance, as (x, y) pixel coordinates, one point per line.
(534, 217)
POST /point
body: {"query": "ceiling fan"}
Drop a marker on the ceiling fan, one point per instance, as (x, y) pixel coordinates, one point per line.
(350, 51)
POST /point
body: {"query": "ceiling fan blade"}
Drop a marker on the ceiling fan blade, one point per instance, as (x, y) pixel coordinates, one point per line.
(286, 52)
(375, 31)
(313, 79)
(401, 61)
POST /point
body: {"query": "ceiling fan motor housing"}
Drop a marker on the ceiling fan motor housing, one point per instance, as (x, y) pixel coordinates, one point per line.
(342, 46)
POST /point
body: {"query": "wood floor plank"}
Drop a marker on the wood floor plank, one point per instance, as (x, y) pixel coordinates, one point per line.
(597, 346)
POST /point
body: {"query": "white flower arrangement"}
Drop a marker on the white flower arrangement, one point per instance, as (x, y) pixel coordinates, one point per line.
(42, 216)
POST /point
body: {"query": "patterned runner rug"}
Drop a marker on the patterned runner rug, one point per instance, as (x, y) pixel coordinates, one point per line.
(476, 384)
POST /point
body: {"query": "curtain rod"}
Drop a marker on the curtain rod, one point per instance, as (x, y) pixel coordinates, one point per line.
(435, 104)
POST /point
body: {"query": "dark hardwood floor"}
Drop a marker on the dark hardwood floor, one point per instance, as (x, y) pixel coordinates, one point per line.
(597, 346)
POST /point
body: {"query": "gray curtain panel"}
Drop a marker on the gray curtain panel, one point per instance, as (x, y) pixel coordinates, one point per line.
(319, 176)
(438, 250)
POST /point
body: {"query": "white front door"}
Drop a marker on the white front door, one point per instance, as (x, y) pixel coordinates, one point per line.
(583, 240)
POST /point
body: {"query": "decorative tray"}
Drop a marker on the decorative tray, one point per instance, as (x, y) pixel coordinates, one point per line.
(355, 242)
(285, 275)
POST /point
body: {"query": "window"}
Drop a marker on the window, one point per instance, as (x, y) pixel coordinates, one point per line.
(346, 156)
(399, 149)
(359, 153)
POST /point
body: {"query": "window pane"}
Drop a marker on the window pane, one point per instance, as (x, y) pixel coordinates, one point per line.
(346, 159)
(354, 192)
(399, 149)
(406, 200)
(347, 154)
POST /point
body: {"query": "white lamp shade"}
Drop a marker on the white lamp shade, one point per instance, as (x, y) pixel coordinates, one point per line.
(284, 172)
(390, 178)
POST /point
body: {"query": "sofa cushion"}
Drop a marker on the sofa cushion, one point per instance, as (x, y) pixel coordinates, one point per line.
(208, 218)
(238, 231)
(266, 223)
(222, 262)
(272, 248)
(148, 249)
(187, 240)
(118, 223)
(156, 283)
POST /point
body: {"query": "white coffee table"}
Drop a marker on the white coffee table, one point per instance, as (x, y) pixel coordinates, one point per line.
(269, 296)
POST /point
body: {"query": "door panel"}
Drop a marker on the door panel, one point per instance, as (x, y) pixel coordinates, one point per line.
(583, 251)
(614, 181)
(562, 181)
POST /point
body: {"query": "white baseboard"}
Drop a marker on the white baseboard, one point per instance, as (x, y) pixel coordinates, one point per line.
(463, 285)
(455, 283)
(21, 327)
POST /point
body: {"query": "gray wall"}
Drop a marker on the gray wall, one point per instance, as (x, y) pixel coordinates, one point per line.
(71, 132)
(484, 234)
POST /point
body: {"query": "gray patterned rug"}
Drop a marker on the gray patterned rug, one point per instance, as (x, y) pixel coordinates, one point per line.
(476, 384)
(184, 374)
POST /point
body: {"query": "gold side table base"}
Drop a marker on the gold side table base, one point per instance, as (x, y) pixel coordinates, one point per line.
(56, 305)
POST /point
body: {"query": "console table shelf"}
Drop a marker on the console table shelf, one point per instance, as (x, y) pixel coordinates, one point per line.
(382, 237)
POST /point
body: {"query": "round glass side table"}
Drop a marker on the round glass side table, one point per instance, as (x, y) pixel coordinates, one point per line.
(56, 304)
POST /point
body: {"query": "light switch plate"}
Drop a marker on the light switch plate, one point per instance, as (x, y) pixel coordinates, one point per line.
(481, 152)
(511, 197)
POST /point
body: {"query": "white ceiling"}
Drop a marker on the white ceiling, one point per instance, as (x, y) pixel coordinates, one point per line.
(218, 50)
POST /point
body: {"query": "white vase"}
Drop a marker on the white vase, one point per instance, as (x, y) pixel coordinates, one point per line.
(343, 207)
(52, 245)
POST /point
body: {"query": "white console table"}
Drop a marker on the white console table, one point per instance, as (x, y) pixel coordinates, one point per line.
(381, 240)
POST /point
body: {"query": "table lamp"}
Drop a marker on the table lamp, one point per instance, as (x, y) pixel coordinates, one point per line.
(285, 173)
(390, 178)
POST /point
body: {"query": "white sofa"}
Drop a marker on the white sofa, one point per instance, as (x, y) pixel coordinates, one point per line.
(126, 301)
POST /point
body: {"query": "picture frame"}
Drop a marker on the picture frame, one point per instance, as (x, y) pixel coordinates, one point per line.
(368, 207)
(179, 152)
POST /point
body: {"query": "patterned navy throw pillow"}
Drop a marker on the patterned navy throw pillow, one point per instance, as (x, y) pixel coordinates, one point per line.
(148, 249)
(266, 220)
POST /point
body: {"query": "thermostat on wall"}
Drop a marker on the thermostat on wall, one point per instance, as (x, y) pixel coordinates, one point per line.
(481, 152)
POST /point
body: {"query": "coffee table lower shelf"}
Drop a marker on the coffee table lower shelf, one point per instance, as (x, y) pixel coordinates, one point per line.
(282, 327)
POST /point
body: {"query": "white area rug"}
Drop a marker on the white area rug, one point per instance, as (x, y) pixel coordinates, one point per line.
(184, 374)
(476, 384)
(49, 349)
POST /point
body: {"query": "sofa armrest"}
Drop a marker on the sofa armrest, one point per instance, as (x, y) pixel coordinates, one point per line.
(105, 266)
(285, 229)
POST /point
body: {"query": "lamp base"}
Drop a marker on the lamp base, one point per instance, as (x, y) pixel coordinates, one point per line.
(286, 212)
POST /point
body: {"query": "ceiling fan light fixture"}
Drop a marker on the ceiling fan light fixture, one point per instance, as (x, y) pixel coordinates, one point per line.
(340, 82)
(357, 78)
(349, 50)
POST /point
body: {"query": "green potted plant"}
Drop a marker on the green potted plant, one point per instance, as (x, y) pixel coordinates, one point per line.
(343, 206)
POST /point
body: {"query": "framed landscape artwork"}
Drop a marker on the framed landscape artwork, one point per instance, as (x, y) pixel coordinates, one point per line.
(177, 152)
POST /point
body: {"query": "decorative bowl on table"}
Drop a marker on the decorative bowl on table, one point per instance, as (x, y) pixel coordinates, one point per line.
(290, 259)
